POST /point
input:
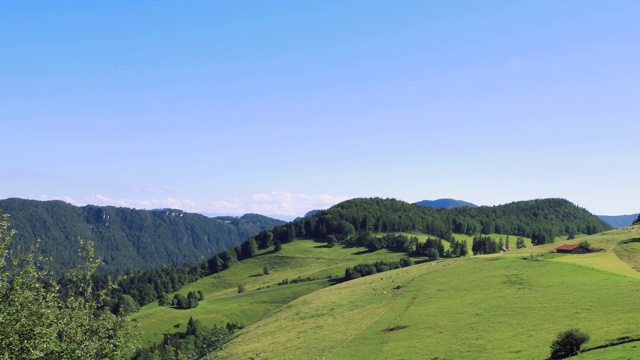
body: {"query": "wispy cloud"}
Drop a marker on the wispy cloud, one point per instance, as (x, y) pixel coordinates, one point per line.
(63, 198)
(278, 203)
(168, 202)
(275, 203)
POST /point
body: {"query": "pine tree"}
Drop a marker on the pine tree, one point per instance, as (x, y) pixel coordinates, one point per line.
(192, 300)
(163, 300)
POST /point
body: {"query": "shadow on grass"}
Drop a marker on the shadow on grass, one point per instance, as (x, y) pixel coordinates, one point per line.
(362, 252)
(630, 241)
(394, 328)
(270, 252)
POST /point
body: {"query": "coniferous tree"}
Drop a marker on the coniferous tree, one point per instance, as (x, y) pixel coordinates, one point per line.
(192, 300)
(163, 300)
(249, 248)
(179, 301)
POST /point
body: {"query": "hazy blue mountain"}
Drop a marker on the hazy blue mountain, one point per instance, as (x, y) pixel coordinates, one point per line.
(309, 213)
(618, 221)
(126, 239)
(445, 203)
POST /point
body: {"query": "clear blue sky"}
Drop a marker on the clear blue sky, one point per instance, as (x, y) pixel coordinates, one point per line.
(280, 107)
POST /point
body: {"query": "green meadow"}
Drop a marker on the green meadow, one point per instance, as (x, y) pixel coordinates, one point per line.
(499, 306)
(502, 306)
(630, 351)
(262, 296)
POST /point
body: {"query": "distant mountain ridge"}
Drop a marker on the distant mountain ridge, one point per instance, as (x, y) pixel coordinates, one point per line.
(445, 203)
(127, 239)
(618, 221)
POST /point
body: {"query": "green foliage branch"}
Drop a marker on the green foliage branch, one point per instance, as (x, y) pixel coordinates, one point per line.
(39, 319)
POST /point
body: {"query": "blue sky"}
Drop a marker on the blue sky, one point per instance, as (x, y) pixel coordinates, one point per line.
(280, 107)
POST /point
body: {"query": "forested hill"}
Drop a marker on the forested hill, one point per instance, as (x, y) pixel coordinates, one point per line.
(541, 220)
(127, 239)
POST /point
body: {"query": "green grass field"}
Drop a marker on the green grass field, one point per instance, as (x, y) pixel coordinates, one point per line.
(501, 306)
(629, 351)
(223, 304)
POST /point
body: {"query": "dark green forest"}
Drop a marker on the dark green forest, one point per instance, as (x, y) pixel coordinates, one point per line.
(126, 239)
(541, 220)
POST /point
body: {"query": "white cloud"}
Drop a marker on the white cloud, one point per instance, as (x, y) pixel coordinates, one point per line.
(291, 204)
(169, 202)
(275, 203)
(63, 198)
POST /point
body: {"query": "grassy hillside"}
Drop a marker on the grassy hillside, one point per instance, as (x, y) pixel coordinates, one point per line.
(304, 258)
(622, 352)
(487, 307)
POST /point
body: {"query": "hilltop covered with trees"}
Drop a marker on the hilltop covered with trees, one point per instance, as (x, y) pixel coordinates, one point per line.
(126, 239)
(541, 220)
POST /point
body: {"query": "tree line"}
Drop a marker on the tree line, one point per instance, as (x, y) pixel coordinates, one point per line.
(362, 270)
(196, 341)
(148, 286)
(541, 220)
